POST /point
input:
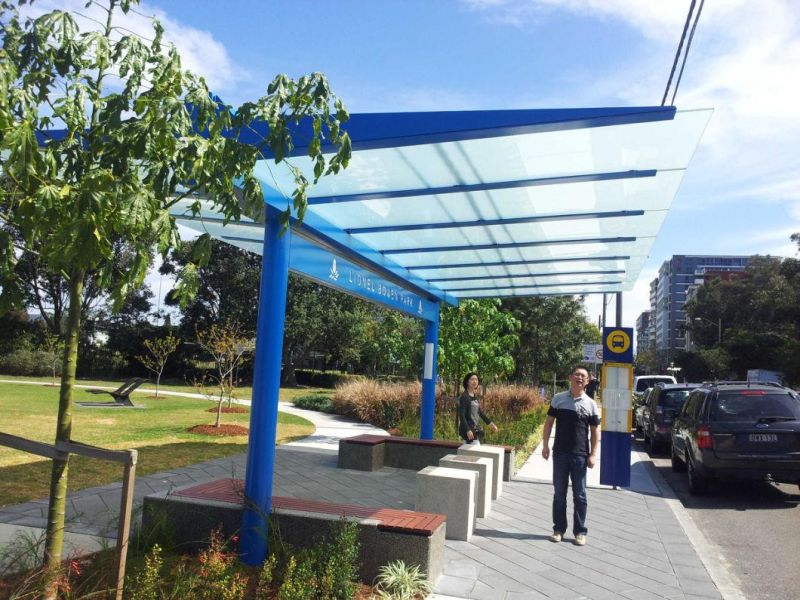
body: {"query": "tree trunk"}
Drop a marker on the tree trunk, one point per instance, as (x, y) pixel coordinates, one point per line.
(218, 422)
(58, 482)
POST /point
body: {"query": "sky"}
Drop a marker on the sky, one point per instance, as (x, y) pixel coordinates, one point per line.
(741, 193)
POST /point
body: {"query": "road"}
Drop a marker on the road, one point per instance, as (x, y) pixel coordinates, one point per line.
(756, 526)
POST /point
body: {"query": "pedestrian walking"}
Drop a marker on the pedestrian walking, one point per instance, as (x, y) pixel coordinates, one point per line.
(469, 410)
(574, 450)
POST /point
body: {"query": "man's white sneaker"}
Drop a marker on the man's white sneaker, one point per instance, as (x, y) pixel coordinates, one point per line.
(580, 539)
(557, 536)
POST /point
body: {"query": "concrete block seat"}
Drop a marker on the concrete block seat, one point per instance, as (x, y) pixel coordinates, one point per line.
(484, 467)
(385, 534)
(372, 452)
(496, 454)
(451, 492)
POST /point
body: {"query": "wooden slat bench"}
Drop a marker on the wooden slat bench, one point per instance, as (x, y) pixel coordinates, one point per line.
(368, 452)
(385, 534)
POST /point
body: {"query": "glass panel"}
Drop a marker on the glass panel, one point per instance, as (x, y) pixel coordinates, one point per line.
(536, 291)
(527, 281)
(644, 193)
(656, 145)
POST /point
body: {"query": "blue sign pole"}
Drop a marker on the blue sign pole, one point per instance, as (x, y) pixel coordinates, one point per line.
(429, 373)
(266, 387)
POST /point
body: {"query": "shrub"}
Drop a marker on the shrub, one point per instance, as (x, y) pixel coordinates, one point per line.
(320, 402)
(323, 379)
(383, 405)
(397, 581)
(27, 361)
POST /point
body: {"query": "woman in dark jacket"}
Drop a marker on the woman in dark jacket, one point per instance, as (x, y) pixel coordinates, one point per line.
(469, 409)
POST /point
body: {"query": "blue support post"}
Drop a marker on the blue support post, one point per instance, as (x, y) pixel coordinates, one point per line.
(266, 387)
(429, 376)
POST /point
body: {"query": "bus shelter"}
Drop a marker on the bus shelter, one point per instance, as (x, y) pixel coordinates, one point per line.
(439, 206)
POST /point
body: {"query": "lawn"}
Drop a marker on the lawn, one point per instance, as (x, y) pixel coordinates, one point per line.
(157, 428)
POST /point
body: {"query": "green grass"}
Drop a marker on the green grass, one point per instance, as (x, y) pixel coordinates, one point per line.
(157, 428)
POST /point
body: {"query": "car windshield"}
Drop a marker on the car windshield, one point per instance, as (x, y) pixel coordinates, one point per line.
(674, 398)
(645, 382)
(755, 405)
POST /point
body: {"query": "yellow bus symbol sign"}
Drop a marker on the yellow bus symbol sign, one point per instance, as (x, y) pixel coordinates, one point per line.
(618, 341)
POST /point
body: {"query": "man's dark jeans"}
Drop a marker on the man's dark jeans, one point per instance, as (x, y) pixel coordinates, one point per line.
(568, 466)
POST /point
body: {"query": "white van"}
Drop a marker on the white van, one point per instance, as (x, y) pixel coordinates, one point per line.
(642, 382)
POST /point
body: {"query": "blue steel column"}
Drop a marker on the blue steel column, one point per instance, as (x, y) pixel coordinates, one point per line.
(429, 376)
(266, 386)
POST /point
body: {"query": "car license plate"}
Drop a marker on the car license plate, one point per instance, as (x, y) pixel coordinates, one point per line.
(763, 437)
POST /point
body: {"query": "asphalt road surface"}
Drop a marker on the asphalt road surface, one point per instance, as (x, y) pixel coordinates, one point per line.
(756, 527)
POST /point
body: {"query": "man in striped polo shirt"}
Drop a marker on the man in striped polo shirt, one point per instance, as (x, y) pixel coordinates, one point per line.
(573, 451)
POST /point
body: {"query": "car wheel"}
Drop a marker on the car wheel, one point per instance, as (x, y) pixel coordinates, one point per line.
(678, 466)
(698, 484)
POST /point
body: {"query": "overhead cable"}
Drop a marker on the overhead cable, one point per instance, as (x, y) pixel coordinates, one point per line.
(678, 53)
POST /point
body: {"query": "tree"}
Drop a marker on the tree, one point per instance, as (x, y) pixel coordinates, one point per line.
(53, 345)
(227, 346)
(85, 162)
(320, 318)
(159, 350)
(227, 289)
(759, 316)
(476, 336)
(552, 333)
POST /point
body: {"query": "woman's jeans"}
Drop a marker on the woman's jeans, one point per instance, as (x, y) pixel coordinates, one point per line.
(568, 466)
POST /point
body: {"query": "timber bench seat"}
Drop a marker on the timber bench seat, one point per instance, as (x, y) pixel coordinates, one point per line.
(385, 534)
(369, 452)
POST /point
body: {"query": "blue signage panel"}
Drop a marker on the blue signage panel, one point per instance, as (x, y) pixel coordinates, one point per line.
(334, 271)
(618, 344)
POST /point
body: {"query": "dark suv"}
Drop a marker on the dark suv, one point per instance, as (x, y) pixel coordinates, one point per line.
(663, 403)
(736, 430)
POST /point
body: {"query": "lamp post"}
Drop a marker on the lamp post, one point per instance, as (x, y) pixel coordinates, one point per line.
(718, 324)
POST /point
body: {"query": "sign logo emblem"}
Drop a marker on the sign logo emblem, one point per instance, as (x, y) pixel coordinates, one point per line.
(334, 274)
(618, 341)
(419, 310)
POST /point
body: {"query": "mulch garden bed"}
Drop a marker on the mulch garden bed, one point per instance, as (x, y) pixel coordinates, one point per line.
(221, 430)
(233, 408)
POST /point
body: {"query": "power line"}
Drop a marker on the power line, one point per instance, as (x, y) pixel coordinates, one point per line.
(686, 54)
(678, 53)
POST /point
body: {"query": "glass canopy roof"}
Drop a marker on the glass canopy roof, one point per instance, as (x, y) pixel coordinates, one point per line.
(494, 203)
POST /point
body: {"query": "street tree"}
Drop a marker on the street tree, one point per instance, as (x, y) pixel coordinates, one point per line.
(158, 352)
(227, 346)
(476, 336)
(102, 132)
(552, 333)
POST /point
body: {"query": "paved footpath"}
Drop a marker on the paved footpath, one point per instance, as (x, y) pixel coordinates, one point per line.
(641, 542)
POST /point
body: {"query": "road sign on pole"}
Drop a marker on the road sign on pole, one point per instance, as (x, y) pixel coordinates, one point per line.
(593, 353)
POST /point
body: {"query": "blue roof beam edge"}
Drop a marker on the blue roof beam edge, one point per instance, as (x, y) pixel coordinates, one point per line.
(528, 287)
(524, 275)
(373, 131)
(489, 222)
(482, 187)
(608, 240)
(500, 263)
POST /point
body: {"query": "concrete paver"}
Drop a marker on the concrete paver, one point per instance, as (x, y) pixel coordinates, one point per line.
(638, 544)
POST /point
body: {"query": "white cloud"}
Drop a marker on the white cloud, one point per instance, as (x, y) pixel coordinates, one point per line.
(200, 52)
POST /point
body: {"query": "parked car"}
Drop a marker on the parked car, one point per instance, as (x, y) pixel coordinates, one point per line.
(738, 430)
(663, 403)
(639, 408)
(642, 382)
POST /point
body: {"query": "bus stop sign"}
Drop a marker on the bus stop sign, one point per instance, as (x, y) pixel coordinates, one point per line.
(618, 344)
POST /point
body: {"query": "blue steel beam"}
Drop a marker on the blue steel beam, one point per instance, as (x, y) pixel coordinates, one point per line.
(501, 263)
(524, 275)
(611, 240)
(525, 287)
(480, 187)
(489, 222)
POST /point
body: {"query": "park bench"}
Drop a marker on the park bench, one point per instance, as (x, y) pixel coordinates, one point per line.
(372, 452)
(121, 395)
(385, 534)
